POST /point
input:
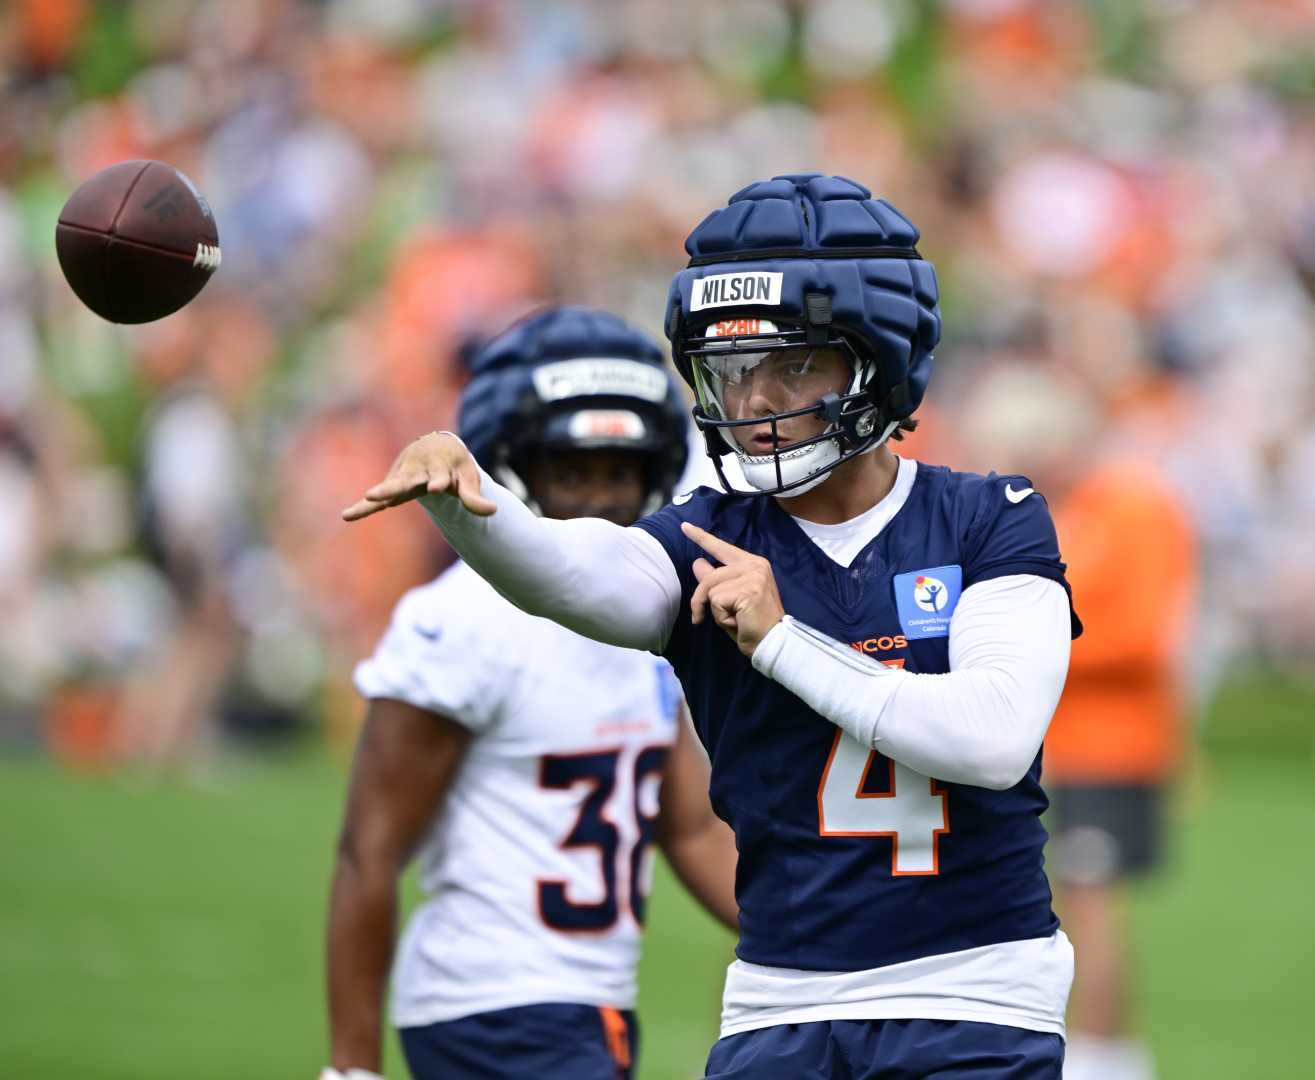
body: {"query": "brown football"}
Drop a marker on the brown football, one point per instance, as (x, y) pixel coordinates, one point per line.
(137, 241)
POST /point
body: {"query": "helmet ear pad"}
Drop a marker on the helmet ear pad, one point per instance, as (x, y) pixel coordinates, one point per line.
(862, 418)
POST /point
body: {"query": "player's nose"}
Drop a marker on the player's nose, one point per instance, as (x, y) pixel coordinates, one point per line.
(764, 395)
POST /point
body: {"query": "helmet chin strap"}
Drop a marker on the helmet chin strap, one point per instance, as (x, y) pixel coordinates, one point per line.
(819, 458)
(807, 485)
(762, 473)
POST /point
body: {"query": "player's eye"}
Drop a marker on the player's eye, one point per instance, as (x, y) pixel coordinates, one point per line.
(795, 365)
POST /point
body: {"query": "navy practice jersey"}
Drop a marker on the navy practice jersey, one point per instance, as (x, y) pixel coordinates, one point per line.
(832, 876)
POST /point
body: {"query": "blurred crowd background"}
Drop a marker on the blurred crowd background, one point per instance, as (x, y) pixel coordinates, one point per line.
(1119, 196)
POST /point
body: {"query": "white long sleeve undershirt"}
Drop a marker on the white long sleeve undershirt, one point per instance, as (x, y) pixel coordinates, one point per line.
(981, 723)
(605, 581)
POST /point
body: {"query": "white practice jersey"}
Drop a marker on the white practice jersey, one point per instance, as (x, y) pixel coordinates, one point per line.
(536, 868)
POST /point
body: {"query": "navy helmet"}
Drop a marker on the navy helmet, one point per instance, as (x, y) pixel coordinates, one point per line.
(803, 262)
(574, 378)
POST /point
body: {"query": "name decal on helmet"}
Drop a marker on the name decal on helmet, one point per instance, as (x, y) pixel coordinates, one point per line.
(745, 287)
(588, 378)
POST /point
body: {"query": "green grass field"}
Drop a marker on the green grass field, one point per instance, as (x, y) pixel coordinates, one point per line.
(173, 930)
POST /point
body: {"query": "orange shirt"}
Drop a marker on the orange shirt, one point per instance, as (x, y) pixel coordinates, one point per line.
(1131, 561)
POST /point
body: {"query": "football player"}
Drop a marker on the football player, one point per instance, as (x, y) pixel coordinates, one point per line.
(871, 649)
(520, 761)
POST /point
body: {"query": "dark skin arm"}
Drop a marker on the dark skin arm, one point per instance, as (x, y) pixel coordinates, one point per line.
(406, 761)
(699, 846)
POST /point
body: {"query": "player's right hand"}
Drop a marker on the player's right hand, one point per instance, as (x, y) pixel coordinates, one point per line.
(437, 463)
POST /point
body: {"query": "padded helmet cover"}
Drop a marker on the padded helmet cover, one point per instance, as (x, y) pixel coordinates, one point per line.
(825, 236)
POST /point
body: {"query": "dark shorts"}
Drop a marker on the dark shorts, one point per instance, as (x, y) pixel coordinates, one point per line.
(547, 1042)
(1102, 833)
(887, 1050)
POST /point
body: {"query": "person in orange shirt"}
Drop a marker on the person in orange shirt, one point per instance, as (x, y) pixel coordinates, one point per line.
(1117, 735)
(1119, 732)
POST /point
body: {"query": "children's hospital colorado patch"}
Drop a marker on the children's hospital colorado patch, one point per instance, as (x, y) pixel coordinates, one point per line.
(926, 599)
(742, 287)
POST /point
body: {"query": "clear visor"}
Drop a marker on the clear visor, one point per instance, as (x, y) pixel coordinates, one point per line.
(740, 383)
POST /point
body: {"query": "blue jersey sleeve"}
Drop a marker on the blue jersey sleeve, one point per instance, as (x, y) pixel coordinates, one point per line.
(664, 527)
(698, 507)
(1011, 532)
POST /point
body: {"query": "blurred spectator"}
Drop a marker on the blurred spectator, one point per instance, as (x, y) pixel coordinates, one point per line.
(1133, 180)
(1117, 738)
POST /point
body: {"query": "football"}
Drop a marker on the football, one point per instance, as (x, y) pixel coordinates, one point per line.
(137, 241)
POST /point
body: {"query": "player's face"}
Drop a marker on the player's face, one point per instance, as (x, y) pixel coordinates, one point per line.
(608, 484)
(777, 382)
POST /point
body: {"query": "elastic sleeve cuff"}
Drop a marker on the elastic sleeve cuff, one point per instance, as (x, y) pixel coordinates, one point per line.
(770, 648)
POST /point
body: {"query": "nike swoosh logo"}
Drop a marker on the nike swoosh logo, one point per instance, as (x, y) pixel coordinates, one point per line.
(1016, 496)
(681, 500)
(427, 634)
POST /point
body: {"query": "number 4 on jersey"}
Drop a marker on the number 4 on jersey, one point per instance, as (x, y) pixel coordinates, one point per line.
(911, 811)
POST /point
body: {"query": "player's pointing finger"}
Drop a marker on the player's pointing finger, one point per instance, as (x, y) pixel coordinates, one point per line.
(362, 508)
(716, 547)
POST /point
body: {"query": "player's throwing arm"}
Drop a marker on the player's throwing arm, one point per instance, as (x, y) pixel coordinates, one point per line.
(741, 593)
(608, 582)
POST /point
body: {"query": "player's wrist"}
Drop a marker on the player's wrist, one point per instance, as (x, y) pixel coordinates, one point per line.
(330, 1073)
(768, 649)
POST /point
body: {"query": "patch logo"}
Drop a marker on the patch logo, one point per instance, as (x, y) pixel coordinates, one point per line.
(743, 287)
(926, 599)
(929, 593)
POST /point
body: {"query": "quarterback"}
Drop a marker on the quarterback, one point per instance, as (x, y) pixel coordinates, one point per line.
(871, 649)
(529, 768)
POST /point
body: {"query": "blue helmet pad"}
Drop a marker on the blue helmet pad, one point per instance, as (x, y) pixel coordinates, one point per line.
(826, 237)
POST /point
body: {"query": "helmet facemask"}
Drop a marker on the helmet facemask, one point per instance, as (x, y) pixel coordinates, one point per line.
(721, 365)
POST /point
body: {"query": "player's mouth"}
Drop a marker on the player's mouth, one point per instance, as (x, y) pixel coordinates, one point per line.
(764, 442)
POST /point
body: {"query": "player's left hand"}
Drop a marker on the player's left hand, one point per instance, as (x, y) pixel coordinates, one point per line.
(741, 593)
